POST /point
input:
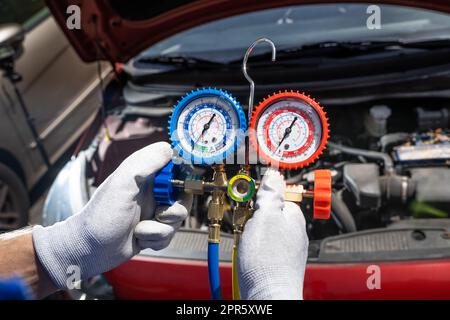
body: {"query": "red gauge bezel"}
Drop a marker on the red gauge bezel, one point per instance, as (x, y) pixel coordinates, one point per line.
(271, 100)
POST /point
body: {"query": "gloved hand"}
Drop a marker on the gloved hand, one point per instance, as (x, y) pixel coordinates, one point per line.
(274, 246)
(120, 220)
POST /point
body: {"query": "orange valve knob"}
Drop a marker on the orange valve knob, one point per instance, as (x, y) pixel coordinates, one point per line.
(322, 194)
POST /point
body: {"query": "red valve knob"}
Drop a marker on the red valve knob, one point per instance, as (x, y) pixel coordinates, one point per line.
(322, 194)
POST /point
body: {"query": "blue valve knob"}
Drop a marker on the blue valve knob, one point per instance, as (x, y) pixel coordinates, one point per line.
(163, 190)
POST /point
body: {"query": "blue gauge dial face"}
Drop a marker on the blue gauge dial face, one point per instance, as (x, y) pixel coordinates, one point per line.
(207, 127)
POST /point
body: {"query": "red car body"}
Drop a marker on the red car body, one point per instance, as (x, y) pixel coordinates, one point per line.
(161, 278)
(147, 277)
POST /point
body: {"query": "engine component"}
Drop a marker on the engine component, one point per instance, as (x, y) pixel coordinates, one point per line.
(341, 212)
(362, 179)
(396, 188)
(376, 121)
(387, 160)
(421, 210)
(432, 119)
(432, 184)
(393, 139)
(289, 130)
(386, 244)
(422, 154)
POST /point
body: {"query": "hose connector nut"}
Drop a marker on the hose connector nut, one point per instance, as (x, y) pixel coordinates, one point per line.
(294, 193)
(194, 185)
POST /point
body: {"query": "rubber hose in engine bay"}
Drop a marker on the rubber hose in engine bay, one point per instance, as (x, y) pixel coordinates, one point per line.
(387, 160)
(342, 213)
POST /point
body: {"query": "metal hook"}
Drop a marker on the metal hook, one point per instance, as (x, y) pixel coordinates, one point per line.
(244, 70)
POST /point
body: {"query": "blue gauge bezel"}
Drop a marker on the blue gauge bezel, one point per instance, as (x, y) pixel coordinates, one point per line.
(194, 95)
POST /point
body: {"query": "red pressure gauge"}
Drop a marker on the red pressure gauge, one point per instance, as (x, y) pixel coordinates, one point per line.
(289, 130)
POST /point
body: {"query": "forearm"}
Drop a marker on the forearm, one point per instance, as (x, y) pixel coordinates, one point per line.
(18, 258)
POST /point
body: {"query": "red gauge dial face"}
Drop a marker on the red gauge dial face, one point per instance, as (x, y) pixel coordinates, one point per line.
(289, 130)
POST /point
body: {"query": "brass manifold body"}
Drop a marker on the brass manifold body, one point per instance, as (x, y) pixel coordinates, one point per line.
(242, 211)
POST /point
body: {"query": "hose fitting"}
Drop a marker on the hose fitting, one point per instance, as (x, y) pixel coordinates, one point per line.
(216, 207)
(242, 212)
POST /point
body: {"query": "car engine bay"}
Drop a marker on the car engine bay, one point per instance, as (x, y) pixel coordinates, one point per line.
(389, 161)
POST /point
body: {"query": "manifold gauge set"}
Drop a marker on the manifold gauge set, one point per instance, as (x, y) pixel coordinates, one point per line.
(288, 130)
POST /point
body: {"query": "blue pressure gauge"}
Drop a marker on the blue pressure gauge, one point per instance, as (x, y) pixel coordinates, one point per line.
(207, 126)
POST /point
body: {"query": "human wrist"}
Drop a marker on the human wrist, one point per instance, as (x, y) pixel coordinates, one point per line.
(19, 260)
(64, 248)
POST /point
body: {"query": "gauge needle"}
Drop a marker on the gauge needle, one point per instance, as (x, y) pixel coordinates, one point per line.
(205, 128)
(287, 132)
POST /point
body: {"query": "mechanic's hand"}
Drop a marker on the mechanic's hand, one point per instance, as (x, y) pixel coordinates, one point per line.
(274, 246)
(120, 220)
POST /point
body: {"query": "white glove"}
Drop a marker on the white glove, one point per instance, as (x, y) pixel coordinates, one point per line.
(119, 221)
(274, 246)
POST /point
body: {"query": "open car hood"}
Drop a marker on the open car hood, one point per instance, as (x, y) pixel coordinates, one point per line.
(118, 30)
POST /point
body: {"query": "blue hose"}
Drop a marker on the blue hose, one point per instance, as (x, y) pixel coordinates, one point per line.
(213, 271)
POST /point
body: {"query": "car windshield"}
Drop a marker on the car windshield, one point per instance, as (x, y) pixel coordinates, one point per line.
(227, 39)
